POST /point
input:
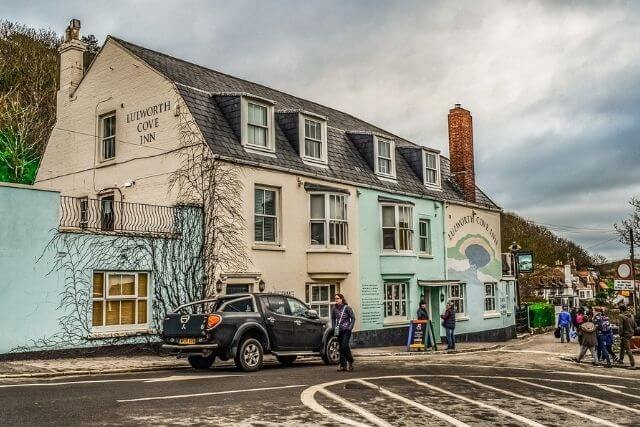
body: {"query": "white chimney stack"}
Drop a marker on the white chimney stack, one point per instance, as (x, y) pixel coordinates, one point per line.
(71, 59)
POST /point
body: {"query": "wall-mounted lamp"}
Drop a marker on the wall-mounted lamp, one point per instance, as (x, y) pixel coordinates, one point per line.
(261, 285)
(219, 286)
(441, 297)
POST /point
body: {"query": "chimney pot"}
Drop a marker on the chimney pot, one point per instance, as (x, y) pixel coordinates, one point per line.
(73, 30)
(461, 151)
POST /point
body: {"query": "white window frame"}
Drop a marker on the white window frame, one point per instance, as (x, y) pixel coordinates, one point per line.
(244, 119)
(461, 298)
(106, 298)
(104, 139)
(397, 207)
(376, 156)
(396, 316)
(328, 221)
(493, 297)
(316, 304)
(427, 237)
(302, 135)
(438, 184)
(276, 190)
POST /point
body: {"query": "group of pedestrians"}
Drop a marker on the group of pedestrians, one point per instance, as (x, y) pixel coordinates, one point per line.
(594, 333)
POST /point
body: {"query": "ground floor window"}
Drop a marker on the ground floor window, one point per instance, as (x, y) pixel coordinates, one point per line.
(456, 296)
(319, 297)
(120, 298)
(395, 300)
(490, 297)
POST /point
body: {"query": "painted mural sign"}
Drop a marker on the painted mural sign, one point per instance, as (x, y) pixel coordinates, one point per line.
(147, 120)
(473, 245)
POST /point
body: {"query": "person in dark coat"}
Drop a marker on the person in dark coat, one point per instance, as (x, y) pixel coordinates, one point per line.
(626, 327)
(343, 319)
(423, 314)
(449, 323)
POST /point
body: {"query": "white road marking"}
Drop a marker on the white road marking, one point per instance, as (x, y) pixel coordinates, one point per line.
(582, 396)
(308, 399)
(538, 379)
(355, 408)
(212, 393)
(613, 390)
(542, 402)
(124, 380)
(410, 402)
(522, 419)
(591, 374)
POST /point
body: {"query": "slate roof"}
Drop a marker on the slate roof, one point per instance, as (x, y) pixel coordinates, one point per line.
(198, 84)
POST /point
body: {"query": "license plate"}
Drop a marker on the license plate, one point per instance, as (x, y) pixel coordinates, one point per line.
(187, 340)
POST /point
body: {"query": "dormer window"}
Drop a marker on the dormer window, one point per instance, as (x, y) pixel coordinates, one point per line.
(431, 169)
(385, 158)
(258, 131)
(313, 139)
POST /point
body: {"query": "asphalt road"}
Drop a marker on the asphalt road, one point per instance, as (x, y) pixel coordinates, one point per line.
(513, 387)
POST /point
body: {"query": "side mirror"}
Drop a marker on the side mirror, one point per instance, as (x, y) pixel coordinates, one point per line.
(311, 314)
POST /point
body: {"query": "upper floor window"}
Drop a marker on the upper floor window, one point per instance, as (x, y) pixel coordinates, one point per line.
(257, 127)
(431, 169)
(397, 228)
(314, 144)
(108, 136)
(384, 157)
(265, 215)
(424, 230)
(328, 219)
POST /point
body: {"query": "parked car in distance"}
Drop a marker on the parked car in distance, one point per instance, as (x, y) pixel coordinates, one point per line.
(244, 327)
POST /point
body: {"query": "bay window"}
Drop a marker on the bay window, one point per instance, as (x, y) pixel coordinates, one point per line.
(328, 223)
(397, 228)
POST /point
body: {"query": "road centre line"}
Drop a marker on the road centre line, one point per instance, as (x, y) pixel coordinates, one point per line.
(355, 408)
(211, 393)
(520, 418)
(582, 396)
(542, 402)
(415, 404)
(143, 380)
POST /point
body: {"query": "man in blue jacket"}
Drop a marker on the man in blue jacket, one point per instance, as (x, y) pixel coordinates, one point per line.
(564, 323)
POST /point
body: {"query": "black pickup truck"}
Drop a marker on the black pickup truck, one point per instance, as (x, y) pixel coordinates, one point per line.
(244, 327)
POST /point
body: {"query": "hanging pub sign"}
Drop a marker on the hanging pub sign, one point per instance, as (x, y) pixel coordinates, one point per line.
(524, 261)
(420, 335)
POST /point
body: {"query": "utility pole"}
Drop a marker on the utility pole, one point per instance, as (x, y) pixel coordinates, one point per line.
(633, 267)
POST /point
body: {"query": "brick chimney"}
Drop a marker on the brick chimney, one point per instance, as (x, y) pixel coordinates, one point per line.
(461, 151)
(71, 59)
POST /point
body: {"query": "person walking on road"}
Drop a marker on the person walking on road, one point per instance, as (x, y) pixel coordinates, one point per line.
(627, 326)
(603, 328)
(589, 341)
(573, 314)
(449, 323)
(564, 323)
(343, 319)
(578, 323)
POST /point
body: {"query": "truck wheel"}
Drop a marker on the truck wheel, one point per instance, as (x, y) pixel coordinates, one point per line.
(249, 356)
(199, 362)
(286, 360)
(331, 354)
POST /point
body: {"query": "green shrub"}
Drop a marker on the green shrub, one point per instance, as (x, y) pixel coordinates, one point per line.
(541, 314)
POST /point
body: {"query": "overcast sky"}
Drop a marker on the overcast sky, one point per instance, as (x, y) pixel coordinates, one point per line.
(554, 88)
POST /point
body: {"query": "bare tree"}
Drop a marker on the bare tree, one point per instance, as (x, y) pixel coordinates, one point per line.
(632, 222)
(204, 179)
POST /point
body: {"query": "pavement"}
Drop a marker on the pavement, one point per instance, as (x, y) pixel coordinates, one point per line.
(122, 364)
(523, 383)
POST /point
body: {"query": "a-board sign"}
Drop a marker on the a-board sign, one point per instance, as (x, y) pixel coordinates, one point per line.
(420, 335)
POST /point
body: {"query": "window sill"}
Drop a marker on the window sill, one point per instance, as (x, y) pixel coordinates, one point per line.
(462, 318)
(397, 322)
(267, 247)
(491, 315)
(425, 256)
(98, 335)
(256, 149)
(328, 251)
(388, 178)
(315, 162)
(433, 187)
(405, 254)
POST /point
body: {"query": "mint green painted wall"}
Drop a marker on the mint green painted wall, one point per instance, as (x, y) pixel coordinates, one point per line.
(376, 268)
(29, 296)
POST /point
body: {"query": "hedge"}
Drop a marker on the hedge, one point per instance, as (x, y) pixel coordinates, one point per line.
(541, 314)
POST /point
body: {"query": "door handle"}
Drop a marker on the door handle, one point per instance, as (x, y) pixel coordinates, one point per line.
(297, 322)
(271, 320)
